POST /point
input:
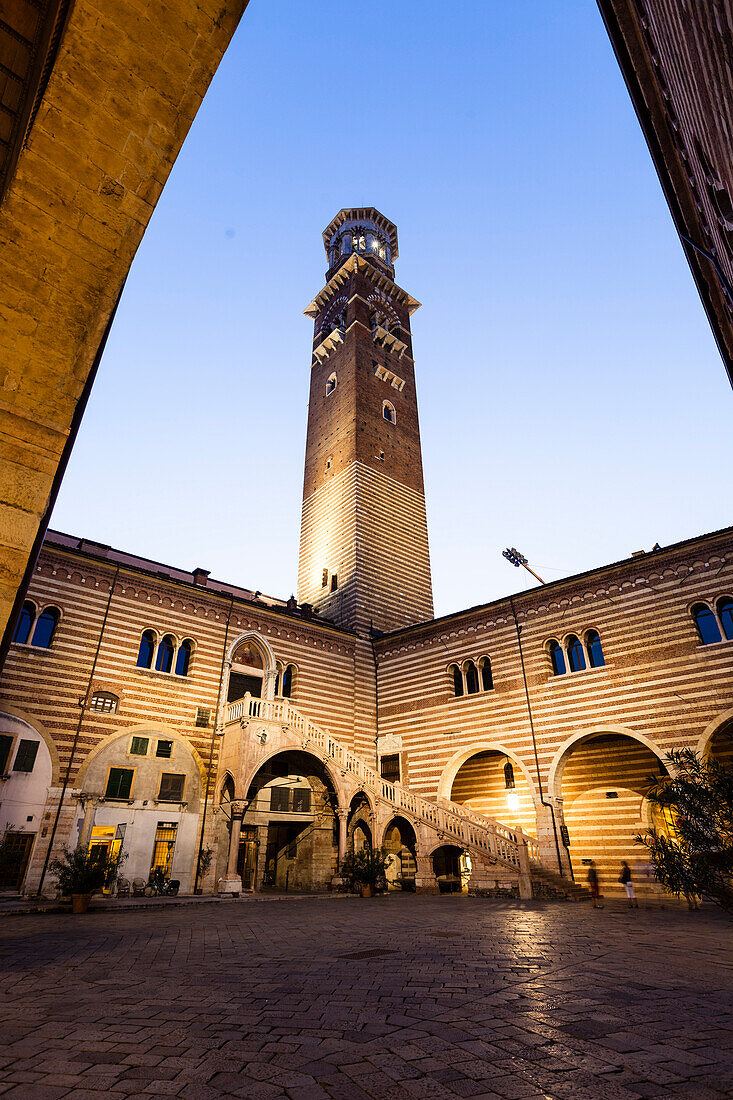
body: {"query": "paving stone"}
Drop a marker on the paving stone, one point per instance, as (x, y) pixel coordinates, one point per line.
(508, 1000)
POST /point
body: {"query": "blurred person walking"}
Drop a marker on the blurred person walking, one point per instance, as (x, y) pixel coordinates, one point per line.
(625, 878)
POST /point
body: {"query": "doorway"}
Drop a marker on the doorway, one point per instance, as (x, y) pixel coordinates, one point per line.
(247, 857)
(18, 848)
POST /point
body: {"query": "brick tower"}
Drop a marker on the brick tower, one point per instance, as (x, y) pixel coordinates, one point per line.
(364, 559)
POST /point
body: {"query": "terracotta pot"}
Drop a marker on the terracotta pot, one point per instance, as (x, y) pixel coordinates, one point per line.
(80, 902)
(367, 890)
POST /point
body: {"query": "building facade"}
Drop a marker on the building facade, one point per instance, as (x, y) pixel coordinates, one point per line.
(160, 712)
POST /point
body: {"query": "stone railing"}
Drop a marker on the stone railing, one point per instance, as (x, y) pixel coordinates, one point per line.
(485, 822)
(455, 823)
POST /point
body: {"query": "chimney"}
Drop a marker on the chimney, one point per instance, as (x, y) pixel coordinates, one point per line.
(306, 610)
(201, 577)
(292, 604)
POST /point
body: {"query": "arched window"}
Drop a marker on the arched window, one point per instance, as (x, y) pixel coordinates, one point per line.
(45, 627)
(457, 675)
(147, 649)
(706, 623)
(183, 657)
(105, 702)
(725, 614)
(278, 677)
(388, 412)
(487, 680)
(595, 650)
(576, 656)
(227, 795)
(471, 677)
(509, 783)
(25, 622)
(164, 660)
(288, 681)
(331, 384)
(557, 658)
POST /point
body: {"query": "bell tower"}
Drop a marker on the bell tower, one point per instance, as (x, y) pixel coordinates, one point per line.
(364, 558)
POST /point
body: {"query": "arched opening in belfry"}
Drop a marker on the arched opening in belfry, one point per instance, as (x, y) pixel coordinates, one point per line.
(291, 823)
(451, 867)
(603, 780)
(401, 843)
(247, 673)
(492, 784)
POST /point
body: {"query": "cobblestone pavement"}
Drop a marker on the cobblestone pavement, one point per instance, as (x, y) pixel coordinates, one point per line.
(388, 998)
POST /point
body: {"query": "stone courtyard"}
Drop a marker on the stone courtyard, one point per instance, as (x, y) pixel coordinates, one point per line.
(400, 996)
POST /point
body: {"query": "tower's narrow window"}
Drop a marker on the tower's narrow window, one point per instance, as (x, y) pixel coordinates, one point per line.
(46, 627)
(164, 660)
(595, 650)
(331, 384)
(706, 623)
(324, 578)
(725, 614)
(147, 648)
(457, 675)
(388, 412)
(469, 669)
(557, 658)
(487, 680)
(509, 783)
(183, 657)
(576, 655)
(25, 622)
(334, 581)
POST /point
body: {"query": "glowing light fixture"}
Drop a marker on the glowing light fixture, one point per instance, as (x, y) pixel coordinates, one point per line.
(512, 800)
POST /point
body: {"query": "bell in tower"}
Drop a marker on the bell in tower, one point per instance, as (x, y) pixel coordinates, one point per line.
(364, 558)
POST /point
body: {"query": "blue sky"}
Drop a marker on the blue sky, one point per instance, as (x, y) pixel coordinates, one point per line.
(572, 399)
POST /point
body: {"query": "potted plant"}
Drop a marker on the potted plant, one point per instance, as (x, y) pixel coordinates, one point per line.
(365, 869)
(80, 873)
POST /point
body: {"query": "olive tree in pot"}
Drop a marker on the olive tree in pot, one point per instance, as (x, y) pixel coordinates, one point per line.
(205, 857)
(366, 869)
(80, 873)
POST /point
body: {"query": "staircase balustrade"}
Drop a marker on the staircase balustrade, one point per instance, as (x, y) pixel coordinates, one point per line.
(458, 824)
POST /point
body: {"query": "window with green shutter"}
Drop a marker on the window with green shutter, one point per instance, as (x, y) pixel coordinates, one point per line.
(139, 746)
(119, 783)
(25, 757)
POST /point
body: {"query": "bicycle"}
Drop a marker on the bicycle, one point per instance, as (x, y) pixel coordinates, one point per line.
(158, 884)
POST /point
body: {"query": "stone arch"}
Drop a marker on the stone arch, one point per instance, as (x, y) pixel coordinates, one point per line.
(554, 782)
(399, 837)
(456, 762)
(141, 729)
(718, 725)
(340, 789)
(38, 727)
(601, 777)
(269, 661)
(721, 725)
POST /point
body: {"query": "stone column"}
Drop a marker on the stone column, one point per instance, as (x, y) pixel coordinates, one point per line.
(342, 813)
(425, 880)
(232, 883)
(90, 805)
(525, 877)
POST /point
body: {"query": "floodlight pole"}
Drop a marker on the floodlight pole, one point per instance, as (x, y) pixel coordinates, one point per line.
(512, 554)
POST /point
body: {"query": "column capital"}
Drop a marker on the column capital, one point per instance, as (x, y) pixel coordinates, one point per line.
(239, 807)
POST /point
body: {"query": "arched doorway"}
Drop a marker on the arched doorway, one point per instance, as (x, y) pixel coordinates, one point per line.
(248, 673)
(359, 829)
(401, 843)
(451, 867)
(291, 818)
(602, 779)
(493, 783)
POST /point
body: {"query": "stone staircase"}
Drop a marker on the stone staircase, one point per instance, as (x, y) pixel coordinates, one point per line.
(490, 843)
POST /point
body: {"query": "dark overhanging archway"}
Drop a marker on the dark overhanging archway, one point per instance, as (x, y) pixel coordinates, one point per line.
(603, 779)
(291, 820)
